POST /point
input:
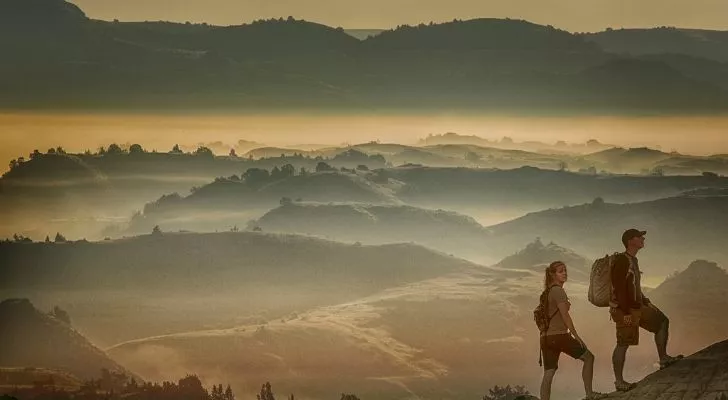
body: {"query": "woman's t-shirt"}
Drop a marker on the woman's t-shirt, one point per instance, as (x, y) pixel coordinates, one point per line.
(557, 326)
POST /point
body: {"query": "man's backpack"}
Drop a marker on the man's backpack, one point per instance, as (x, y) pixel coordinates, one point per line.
(542, 317)
(600, 281)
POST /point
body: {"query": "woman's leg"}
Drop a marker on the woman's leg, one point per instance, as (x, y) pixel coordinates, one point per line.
(548, 378)
(587, 372)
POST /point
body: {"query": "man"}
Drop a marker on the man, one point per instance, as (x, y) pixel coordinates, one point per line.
(630, 309)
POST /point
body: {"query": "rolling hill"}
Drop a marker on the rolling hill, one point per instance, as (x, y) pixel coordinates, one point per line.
(158, 284)
(441, 230)
(701, 43)
(34, 339)
(695, 299)
(680, 230)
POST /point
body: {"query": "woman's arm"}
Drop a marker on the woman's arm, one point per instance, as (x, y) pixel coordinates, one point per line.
(564, 311)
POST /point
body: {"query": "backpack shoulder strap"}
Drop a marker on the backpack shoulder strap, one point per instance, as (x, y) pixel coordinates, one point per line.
(547, 303)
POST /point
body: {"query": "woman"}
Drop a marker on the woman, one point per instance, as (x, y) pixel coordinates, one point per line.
(561, 335)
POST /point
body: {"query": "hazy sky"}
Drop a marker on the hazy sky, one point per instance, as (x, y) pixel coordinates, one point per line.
(572, 15)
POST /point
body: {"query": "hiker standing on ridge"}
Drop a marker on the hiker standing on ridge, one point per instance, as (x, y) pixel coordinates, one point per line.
(558, 334)
(630, 309)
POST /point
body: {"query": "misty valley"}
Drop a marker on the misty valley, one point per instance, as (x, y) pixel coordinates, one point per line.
(379, 269)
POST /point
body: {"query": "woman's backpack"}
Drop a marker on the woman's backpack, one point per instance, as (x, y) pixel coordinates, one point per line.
(541, 316)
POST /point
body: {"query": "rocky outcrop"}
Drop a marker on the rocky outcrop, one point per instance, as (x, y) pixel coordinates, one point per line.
(701, 376)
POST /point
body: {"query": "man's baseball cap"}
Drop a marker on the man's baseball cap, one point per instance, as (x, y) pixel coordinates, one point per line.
(631, 233)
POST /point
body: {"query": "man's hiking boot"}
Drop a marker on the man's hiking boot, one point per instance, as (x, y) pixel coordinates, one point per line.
(669, 360)
(596, 396)
(624, 386)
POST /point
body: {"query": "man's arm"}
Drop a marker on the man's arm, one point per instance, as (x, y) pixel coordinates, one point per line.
(622, 289)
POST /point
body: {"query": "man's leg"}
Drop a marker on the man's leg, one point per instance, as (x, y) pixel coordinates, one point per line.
(548, 378)
(619, 355)
(657, 322)
(661, 339)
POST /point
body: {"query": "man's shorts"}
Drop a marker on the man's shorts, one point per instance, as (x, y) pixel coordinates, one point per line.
(648, 317)
(553, 345)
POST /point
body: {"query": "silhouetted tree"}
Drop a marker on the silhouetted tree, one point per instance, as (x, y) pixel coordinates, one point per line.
(59, 238)
(136, 149)
(176, 149)
(657, 171)
(47, 239)
(216, 393)
(322, 166)
(114, 150)
(288, 170)
(345, 396)
(255, 176)
(35, 154)
(709, 174)
(21, 239)
(563, 166)
(233, 153)
(190, 388)
(61, 315)
(60, 150)
(505, 393)
(275, 173)
(156, 231)
(265, 392)
(203, 151)
(228, 393)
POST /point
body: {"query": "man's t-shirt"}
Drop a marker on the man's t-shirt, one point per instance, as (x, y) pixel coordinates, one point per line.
(626, 283)
(557, 326)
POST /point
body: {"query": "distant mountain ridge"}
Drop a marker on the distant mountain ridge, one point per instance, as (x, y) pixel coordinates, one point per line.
(702, 43)
(281, 63)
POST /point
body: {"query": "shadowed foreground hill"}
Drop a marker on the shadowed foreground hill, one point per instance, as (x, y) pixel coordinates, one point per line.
(188, 261)
(11, 378)
(30, 338)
